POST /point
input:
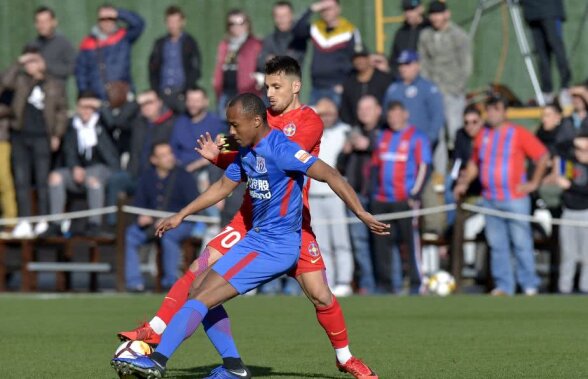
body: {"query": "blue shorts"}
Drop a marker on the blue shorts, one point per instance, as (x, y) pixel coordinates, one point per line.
(258, 258)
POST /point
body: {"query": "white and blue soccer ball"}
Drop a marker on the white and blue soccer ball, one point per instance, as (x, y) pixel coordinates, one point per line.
(133, 349)
(440, 283)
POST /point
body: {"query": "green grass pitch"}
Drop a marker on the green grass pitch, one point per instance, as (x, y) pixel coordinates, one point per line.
(400, 337)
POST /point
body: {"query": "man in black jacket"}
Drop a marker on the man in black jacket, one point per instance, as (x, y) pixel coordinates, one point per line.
(367, 80)
(174, 63)
(90, 157)
(407, 36)
(281, 41)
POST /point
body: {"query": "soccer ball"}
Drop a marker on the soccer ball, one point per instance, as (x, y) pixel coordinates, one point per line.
(132, 349)
(440, 283)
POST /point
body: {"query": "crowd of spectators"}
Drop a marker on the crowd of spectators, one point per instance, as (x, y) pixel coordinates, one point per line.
(399, 128)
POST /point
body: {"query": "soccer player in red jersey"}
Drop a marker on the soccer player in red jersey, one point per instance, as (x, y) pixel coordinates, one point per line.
(303, 126)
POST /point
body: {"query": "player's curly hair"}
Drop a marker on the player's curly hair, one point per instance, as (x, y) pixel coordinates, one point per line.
(251, 105)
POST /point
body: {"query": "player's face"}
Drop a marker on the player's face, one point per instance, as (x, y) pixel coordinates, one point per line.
(280, 90)
(241, 126)
(414, 16)
(408, 72)
(84, 111)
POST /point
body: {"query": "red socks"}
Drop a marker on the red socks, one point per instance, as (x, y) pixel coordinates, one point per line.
(332, 320)
(176, 297)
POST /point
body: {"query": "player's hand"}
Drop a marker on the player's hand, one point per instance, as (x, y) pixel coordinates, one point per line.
(167, 224)
(206, 147)
(374, 225)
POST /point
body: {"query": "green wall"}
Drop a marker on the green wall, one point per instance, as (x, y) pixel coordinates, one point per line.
(206, 22)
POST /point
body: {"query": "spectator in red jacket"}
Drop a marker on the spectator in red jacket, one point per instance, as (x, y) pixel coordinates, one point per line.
(236, 60)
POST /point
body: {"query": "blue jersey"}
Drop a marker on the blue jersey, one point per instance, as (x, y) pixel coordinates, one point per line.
(274, 170)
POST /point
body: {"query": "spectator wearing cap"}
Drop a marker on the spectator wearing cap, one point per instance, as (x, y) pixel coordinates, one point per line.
(54, 47)
(545, 19)
(407, 36)
(90, 157)
(367, 80)
(446, 59)
(400, 161)
(39, 111)
(334, 39)
(421, 97)
(499, 158)
(154, 124)
(175, 62)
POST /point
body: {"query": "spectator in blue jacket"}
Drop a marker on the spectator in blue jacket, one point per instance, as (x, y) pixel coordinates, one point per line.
(421, 97)
(103, 65)
(163, 187)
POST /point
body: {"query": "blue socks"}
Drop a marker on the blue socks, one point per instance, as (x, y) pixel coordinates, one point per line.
(181, 327)
(218, 329)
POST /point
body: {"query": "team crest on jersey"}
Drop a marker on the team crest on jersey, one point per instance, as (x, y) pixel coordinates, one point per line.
(290, 129)
(313, 249)
(260, 165)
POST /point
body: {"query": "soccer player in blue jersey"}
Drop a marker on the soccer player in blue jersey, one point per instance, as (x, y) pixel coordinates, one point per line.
(274, 169)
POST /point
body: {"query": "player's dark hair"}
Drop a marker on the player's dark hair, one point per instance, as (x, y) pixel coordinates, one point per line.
(106, 5)
(394, 105)
(43, 9)
(197, 88)
(283, 64)
(251, 105)
(173, 10)
(472, 108)
(283, 4)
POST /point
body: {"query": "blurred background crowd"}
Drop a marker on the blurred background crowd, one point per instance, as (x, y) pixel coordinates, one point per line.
(400, 126)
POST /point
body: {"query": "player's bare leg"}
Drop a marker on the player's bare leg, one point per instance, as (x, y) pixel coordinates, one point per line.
(330, 316)
(177, 295)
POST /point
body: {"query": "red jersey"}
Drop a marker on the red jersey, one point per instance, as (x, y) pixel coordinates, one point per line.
(301, 125)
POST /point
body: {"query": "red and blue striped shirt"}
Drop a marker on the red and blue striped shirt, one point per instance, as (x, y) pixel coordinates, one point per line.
(398, 160)
(500, 154)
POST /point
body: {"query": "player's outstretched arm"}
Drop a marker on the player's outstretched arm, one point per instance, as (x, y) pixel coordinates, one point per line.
(324, 173)
(221, 189)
